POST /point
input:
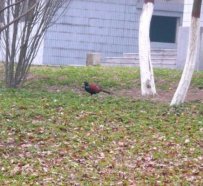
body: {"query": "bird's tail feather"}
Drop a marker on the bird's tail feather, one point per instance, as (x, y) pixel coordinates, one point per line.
(106, 91)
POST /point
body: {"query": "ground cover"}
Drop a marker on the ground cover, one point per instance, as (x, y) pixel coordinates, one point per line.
(54, 133)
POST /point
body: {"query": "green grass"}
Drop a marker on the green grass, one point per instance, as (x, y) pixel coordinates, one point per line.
(51, 135)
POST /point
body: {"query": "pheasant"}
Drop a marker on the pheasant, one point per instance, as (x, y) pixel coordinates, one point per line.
(93, 88)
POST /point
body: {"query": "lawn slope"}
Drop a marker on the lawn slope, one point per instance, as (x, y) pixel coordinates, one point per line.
(54, 133)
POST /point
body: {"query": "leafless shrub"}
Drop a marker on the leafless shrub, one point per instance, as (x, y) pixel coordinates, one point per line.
(25, 23)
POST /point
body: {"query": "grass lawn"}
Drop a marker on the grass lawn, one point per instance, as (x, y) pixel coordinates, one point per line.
(54, 133)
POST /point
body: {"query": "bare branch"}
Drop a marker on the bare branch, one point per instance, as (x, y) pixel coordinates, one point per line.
(9, 6)
(22, 38)
(18, 18)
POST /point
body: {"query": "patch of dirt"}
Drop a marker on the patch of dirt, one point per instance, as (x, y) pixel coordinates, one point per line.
(194, 94)
(65, 88)
(30, 77)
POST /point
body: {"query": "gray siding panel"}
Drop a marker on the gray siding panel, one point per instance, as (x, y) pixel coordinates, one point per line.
(106, 26)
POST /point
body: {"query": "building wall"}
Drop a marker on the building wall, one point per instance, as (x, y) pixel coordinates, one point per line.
(184, 36)
(38, 60)
(107, 26)
(172, 8)
(187, 13)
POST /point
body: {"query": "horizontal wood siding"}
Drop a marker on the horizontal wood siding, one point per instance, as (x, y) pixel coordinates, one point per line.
(106, 26)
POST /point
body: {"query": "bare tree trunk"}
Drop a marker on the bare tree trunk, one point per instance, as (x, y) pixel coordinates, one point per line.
(181, 92)
(146, 69)
(11, 66)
